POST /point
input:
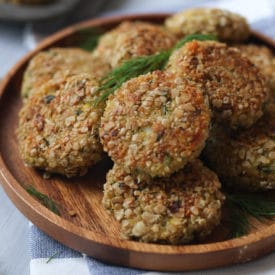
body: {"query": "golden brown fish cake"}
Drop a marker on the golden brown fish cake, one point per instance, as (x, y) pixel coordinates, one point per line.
(58, 63)
(227, 26)
(133, 39)
(244, 160)
(58, 126)
(155, 124)
(175, 209)
(235, 87)
(263, 58)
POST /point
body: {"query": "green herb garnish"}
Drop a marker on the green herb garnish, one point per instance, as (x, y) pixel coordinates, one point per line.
(89, 38)
(267, 169)
(141, 65)
(48, 98)
(191, 37)
(78, 112)
(244, 205)
(53, 256)
(130, 69)
(238, 221)
(44, 199)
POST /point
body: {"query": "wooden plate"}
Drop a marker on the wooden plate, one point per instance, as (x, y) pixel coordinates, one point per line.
(92, 230)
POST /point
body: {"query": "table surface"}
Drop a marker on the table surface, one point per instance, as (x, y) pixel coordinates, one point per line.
(14, 256)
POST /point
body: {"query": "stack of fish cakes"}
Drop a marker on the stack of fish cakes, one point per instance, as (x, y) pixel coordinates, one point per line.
(241, 145)
(246, 159)
(59, 122)
(154, 127)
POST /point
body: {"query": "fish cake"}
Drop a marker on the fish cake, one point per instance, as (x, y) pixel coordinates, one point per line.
(244, 160)
(133, 39)
(175, 209)
(235, 87)
(263, 58)
(58, 63)
(226, 25)
(155, 124)
(58, 126)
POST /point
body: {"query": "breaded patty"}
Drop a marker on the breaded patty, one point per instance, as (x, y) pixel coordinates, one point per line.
(235, 87)
(263, 58)
(58, 126)
(227, 26)
(155, 124)
(57, 63)
(244, 160)
(174, 210)
(133, 39)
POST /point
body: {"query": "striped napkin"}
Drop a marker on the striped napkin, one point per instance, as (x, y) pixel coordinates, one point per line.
(48, 257)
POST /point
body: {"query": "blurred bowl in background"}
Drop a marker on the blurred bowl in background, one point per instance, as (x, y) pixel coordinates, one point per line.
(22, 13)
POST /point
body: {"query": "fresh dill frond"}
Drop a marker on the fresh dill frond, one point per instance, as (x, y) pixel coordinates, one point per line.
(44, 199)
(191, 37)
(242, 206)
(56, 254)
(90, 44)
(141, 65)
(238, 221)
(130, 69)
(254, 204)
(266, 169)
(88, 38)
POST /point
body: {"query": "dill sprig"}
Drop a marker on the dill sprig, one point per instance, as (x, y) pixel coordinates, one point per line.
(90, 44)
(244, 205)
(191, 37)
(141, 65)
(238, 221)
(89, 38)
(130, 69)
(56, 254)
(44, 199)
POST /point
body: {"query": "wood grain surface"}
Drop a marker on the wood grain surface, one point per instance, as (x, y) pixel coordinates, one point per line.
(84, 225)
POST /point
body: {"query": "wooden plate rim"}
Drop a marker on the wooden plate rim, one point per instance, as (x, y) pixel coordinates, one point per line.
(33, 209)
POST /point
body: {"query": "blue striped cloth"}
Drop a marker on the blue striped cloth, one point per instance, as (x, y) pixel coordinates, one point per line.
(69, 262)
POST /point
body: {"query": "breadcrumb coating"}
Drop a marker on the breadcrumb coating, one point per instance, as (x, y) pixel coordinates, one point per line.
(57, 63)
(263, 58)
(155, 124)
(235, 87)
(227, 26)
(58, 126)
(175, 210)
(133, 39)
(244, 160)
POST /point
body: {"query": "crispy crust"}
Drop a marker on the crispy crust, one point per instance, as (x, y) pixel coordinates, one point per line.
(58, 63)
(227, 26)
(155, 124)
(173, 210)
(133, 39)
(58, 126)
(235, 87)
(244, 160)
(263, 58)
